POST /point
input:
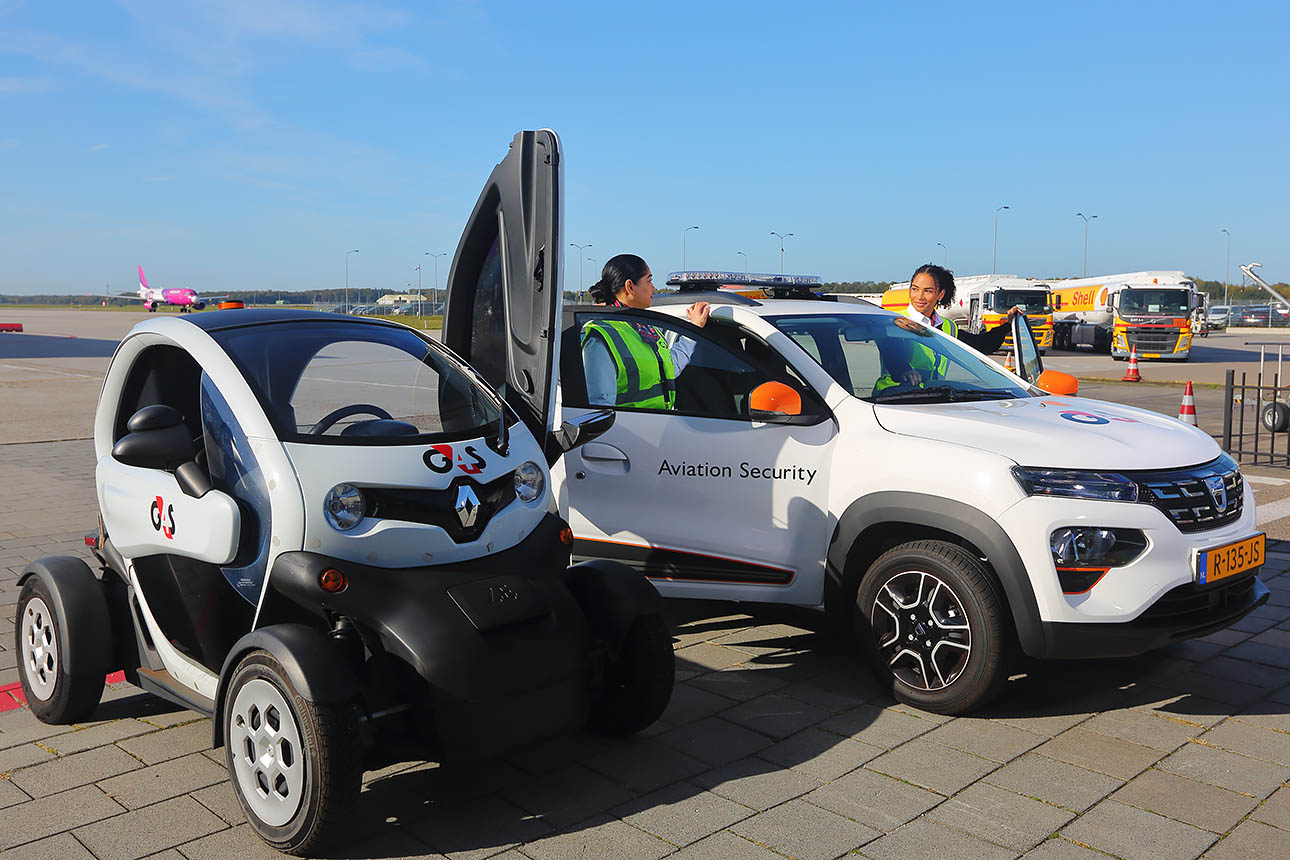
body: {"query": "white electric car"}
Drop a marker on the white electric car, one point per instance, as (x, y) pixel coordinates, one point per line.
(949, 521)
(334, 537)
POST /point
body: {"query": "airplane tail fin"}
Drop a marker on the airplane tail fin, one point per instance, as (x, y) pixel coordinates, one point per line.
(143, 282)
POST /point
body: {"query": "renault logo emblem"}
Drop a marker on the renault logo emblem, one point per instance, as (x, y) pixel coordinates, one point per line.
(1217, 491)
(467, 506)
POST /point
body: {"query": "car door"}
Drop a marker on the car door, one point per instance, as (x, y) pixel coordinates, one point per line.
(706, 499)
(503, 292)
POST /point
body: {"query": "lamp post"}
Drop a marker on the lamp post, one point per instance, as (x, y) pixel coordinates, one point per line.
(1087, 218)
(683, 232)
(994, 264)
(347, 253)
(945, 255)
(436, 278)
(1227, 271)
(581, 249)
(745, 256)
(418, 268)
(782, 237)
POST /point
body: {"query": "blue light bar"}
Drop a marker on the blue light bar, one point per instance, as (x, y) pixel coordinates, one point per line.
(739, 279)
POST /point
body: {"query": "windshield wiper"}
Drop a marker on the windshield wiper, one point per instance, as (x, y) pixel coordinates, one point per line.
(945, 392)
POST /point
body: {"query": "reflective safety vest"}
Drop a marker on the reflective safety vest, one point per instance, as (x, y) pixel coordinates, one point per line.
(923, 358)
(646, 375)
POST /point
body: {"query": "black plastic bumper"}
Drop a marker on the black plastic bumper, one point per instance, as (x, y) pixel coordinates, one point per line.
(500, 641)
(1184, 612)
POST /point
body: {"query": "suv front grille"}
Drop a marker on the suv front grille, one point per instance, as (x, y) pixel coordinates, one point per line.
(1184, 497)
(1192, 605)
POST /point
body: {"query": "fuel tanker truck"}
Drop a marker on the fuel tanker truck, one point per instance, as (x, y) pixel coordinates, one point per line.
(1114, 313)
(981, 303)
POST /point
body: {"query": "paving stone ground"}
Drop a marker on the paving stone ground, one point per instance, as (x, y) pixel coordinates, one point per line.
(777, 744)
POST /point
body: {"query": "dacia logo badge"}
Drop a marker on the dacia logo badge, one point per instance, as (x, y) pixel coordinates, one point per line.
(1217, 491)
(467, 506)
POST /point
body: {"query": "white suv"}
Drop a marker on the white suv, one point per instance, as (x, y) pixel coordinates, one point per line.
(949, 522)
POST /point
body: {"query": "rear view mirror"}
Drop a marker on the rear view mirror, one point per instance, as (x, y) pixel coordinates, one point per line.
(856, 334)
(773, 399)
(1056, 382)
(1057, 302)
(584, 428)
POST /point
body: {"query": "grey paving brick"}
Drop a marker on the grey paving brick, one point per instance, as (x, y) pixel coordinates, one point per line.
(821, 754)
(1276, 809)
(170, 715)
(1050, 724)
(568, 796)
(1061, 849)
(170, 743)
(1251, 740)
(1139, 727)
(1130, 832)
(21, 727)
(646, 765)
(690, 703)
(1256, 674)
(1269, 714)
(726, 846)
(805, 831)
(36, 819)
(837, 693)
(1056, 782)
(1197, 710)
(715, 741)
(705, 655)
(62, 846)
(104, 733)
(221, 800)
(775, 715)
(1112, 756)
(1001, 816)
(161, 781)
(610, 839)
(873, 799)
(755, 783)
(149, 830)
(767, 639)
(682, 813)
(562, 751)
(480, 828)
(1186, 800)
(1269, 655)
(1226, 770)
(1221, 688)
(1252, 840)
(933, 766)
(11, 794)
(240, 842)
(67, 772)
(923, 840)
(24, 755)
(986, 738)
(878, 726)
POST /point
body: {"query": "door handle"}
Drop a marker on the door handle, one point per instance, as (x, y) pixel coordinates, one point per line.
(601, 452)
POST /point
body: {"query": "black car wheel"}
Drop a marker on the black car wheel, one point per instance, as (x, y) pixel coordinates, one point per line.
(931, 617)
(54, 694)
(638, 683)
(1276, 417)
(296, 766)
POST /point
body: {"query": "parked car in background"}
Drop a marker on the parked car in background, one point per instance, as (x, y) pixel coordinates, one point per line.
(1217, 317)
(1251, 315)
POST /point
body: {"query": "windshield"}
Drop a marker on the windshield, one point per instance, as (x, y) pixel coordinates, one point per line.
(359, 383)
(886, 358)
(1030, 301)
(1174, 302)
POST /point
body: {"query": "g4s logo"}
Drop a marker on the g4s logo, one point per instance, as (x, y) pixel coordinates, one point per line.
(163, 518)
(441, 459)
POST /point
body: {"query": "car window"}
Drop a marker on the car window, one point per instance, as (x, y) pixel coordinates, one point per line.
(648, 363)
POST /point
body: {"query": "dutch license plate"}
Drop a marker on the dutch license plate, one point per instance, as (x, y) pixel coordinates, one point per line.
(1230, 559)
(1150, 355)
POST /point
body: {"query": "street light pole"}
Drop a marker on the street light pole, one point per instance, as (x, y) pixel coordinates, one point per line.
(683, 232)
(1227, 271)
(782, 237)
(418, 290)
(945, 256)
(436, 275)
(347, 253)
(1087, 218)
(581, 250)
(745, 256)
(994, 264)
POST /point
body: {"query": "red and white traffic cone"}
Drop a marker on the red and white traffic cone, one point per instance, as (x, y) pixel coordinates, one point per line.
(1187, 411)
(1132, 375)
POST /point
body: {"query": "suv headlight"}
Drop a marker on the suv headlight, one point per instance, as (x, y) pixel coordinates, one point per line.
(344, 507)
(529, 482)
(1105, 486)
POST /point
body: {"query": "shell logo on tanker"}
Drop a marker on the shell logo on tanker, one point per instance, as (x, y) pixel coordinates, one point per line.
(1086, 298)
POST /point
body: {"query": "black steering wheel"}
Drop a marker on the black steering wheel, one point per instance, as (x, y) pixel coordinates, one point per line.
(327, 421)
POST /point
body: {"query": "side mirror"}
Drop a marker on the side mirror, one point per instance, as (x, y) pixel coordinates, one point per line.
(1057, 302)
(1056, 382)
(772, 399)
(157, 439)
(584, 428)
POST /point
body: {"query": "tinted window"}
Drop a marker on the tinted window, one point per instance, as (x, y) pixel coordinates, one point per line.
(488, 320)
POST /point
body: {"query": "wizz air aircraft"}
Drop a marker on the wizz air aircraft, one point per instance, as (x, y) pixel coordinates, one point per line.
(186, 299)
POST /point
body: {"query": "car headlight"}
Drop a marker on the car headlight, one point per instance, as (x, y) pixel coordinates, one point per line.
(1105, 486)
(344, 507)
(529, 482)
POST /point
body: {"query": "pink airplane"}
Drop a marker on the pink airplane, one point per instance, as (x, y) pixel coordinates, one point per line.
(187, 300)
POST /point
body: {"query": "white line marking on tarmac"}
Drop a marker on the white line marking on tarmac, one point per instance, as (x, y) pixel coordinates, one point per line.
(47, 370)
(1260, 479)
(1272, 511)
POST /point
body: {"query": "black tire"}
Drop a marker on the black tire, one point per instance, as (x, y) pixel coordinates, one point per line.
(322, 741)
(1275, 417)
(42, 645)
(638, 683)
(934, 582)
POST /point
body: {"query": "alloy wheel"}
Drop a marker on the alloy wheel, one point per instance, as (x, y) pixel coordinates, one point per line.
(921, 630)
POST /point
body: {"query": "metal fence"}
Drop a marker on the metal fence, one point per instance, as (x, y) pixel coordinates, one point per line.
(1263, 437)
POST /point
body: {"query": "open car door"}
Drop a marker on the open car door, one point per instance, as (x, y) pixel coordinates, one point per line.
(503, 293)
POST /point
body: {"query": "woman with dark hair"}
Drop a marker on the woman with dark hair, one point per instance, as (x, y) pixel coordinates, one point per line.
(630, 363)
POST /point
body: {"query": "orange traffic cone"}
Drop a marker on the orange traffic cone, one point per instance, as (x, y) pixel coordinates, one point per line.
(1007, 361)
(1187, 411)
(1131, 375)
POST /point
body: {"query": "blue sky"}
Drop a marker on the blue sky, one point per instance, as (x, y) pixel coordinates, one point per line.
(236, 144)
